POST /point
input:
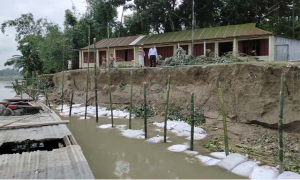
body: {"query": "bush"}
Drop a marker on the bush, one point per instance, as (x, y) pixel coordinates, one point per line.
(176, 114)
(139, 111)
(180, 58)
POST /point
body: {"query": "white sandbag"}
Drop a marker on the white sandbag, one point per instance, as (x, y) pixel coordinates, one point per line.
(264, 172)
(218, 155)
(244, 169)
(102, 113)
(157, 139)
(138, 134)
(191, 153)
(288, 175)
(178, 148)
(105, 126)
(197, 137)
(231, 161)
(209, 161)
(81, 118)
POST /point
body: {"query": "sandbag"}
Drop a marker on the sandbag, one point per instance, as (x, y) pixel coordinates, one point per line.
(264, 172)
(231, 161)
(138, 134)
(244, 169)
(209, 161)
(178, 148)
(218, 155)
(288, 175)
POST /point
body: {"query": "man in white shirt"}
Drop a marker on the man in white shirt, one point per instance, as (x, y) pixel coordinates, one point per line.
(152, 55)
(69, 62)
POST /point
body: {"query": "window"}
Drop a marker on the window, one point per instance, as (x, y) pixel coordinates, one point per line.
(124, 55)
(86, 57)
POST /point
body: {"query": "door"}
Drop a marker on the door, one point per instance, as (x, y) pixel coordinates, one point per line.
(102, 57)
(282, 52)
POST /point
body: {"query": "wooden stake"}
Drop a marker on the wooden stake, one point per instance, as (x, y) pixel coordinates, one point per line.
(145, 110)
(96, 86)
(47, 100)
(280, 124)
(224, 121)
(71, 104)
(110, 99)
(87, 75)
(167, 109)
(192, 121)
(131, 89)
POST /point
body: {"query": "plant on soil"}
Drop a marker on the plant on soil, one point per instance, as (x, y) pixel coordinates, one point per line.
(181, 58)
(175, 113)
(139, 111)
(122, 85)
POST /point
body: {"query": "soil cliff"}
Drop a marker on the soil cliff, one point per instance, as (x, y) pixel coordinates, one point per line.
(251, 91)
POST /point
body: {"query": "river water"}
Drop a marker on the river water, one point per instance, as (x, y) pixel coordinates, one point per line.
(6, 93)
(112, 156)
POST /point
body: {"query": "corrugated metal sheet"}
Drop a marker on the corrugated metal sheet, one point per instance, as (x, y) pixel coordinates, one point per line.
(287, 49)
(184, 36)
(34, 133)
(114, 42)
(63, 163)
(205, 34)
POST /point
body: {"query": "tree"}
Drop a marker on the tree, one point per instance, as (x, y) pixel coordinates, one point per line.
(25, 26)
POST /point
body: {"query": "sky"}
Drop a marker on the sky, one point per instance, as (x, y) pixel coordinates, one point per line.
(53, 10)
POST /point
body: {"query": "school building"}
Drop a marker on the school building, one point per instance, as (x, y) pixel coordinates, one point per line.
(244, 38)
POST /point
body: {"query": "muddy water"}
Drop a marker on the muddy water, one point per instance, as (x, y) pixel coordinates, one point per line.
(112, 156)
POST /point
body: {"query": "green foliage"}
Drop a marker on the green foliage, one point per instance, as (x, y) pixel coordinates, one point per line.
(175, 113)
(180, 58)
(139, 111)
(123, 85)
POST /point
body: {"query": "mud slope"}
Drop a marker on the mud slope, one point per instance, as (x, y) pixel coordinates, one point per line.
(251, 91)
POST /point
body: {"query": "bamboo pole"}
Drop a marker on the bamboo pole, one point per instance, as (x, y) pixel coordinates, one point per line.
(280, 124)
(145, 110)
(131, 89)
(87, 74)
(63, 79)
(224, 120)
(47, 100)
(167, 109)
(110, 98)
(192, 121)
(71, 104)
(96, 86)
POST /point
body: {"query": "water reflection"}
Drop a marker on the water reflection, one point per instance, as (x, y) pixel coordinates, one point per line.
(112, 156)
(122, 169)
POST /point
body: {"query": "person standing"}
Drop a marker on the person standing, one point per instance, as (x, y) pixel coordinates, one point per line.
(69, 62)
(112, 59)
(152, 55)
(141, 57)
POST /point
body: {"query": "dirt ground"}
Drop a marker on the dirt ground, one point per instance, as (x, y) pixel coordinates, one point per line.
(251, 96)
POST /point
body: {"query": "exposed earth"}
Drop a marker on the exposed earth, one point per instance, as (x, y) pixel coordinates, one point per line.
(251, 96)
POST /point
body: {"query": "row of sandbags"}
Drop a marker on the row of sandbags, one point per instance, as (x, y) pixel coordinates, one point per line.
(240, 165)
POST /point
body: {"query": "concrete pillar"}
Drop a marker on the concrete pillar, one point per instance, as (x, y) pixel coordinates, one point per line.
(204, 48)
(190, 48)
(80, 60)
(134, 56)
(235, 47)
(175, 47)
(216, 49)
(271, 48)
(97, 58)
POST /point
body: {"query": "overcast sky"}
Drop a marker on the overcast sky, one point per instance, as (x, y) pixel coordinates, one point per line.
(52, 9)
